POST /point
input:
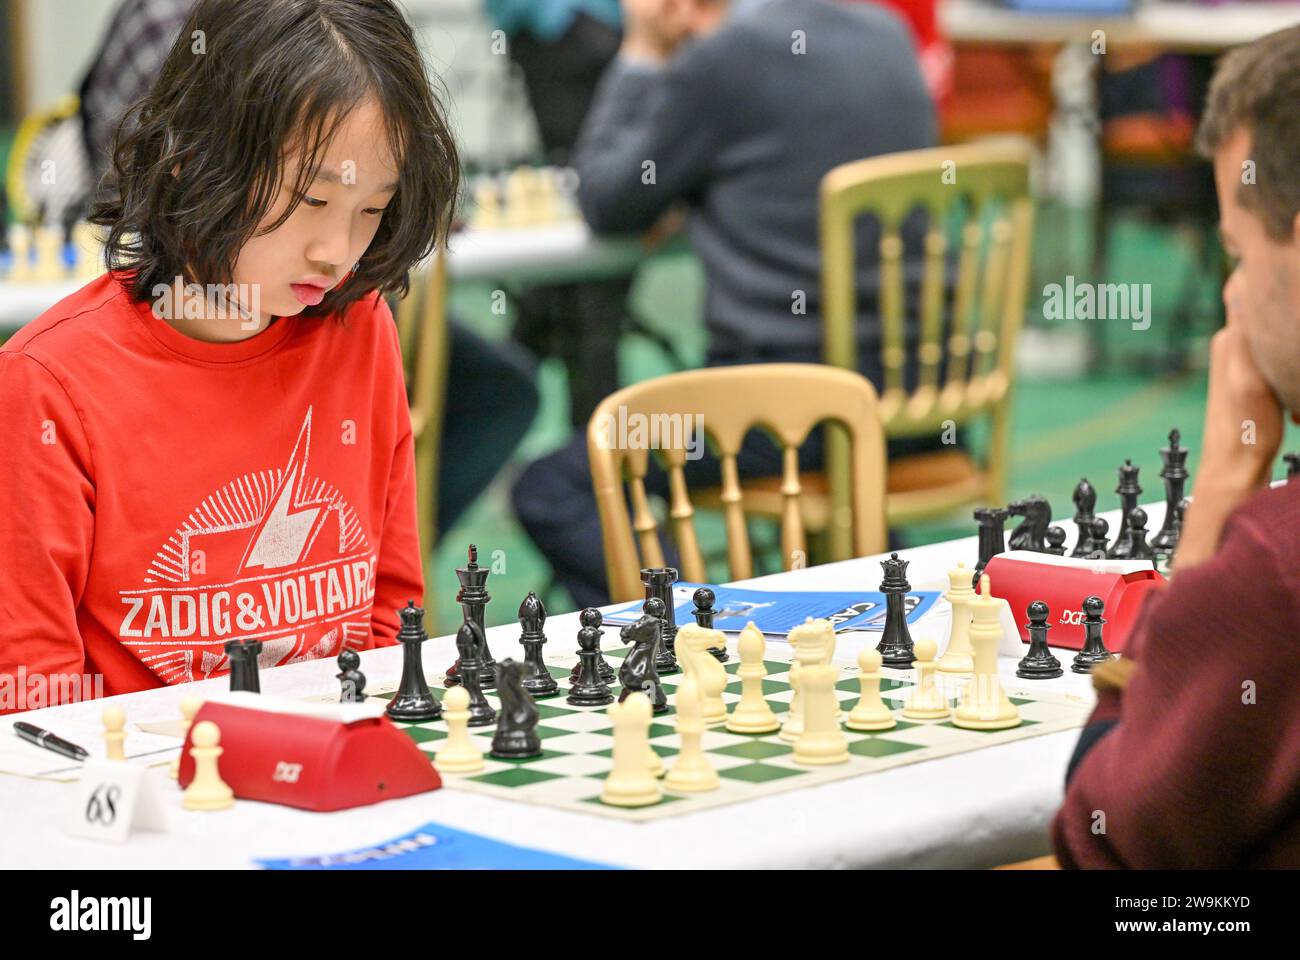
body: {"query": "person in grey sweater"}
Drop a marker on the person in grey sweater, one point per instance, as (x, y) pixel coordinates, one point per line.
(736, 110)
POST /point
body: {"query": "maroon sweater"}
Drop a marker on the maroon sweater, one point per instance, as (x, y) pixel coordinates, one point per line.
(1200, 766)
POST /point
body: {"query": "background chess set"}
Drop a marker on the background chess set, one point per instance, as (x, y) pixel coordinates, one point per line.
(577, 742)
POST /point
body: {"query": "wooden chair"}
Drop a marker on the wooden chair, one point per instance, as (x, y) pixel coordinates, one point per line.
(987, 206)
(785, 399)
(423, 333)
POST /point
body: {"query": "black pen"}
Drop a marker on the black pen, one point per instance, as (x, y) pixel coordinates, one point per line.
(43, 738)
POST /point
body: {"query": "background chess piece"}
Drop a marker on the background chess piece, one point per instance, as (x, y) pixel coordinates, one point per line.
(352, 682)
(473, 599)
(1173, 472)
(1129, 490)
(896, 640)
(190, 707)
(458, 753)
(532, 621)
(414, 702)
(1085, 503)
(703, 599)
(992, 537)
(207, 791)
(516, 737)
(114, 734)
(658, 583)
(243, 656)
(1038, 663)
(1094, 648)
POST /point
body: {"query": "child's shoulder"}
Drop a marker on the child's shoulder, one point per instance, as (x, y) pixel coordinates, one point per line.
(95, 309)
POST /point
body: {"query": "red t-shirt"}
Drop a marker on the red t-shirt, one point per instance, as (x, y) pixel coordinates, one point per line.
(162, 495)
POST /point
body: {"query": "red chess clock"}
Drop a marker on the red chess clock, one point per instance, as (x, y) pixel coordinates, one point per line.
(1063, 583)
(314, 756)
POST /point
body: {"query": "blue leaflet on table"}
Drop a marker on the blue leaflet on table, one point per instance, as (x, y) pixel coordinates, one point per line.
(436, 847)
(776, 612)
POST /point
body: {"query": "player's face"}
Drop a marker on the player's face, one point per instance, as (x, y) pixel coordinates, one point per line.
(329, 231)
(1264, 288)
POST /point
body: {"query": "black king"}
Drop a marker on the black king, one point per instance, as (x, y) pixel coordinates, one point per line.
(473, 599)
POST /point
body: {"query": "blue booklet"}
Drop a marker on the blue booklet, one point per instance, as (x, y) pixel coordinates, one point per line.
(436, 847)
(776, 612)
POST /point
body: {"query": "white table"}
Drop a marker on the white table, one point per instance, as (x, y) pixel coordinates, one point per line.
(974, 809)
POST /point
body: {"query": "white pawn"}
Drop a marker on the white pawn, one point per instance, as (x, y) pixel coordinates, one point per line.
(821, 741)
(957, 658)
(49, 256)
(752, 714)
(691, 772)
(630, 783)
(189, 709)
(927, 701)
(207, 791)
(458, 753)
(871, 713)
(114, 733)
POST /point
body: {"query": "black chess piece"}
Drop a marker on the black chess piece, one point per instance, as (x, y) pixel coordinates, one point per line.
(243, 656)
(591, 617)
(1129, 490)
(638, 672)
(658, 583)
(589, 689)
(1292, 461)
(473, 599)
(532, 620)
(414, 702)
(895, 645)
(1100, 534)
(1055, 541)
(1085, 502)
(469, 641)
(351, 679)
(1038, 663)
(704, 598)
(1173, 471)
(1029, 534)
(992, 537)
(516, 737)
(1094, 649)
(1137, 535)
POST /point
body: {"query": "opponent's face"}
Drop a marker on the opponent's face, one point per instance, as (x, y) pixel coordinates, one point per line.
(1263, 291)
(311, 252)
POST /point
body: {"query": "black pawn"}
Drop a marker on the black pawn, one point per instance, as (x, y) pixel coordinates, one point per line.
(1137, 534)
(704, 599)
(658, 583)
(992, 537)
(469, 642)
(1094, 649)
(895, 645)
(414, 702)
(1085, 501)
(588, 689)
(243, 656)
(351, 679)
(516, 737)
(1174, 472)
(1292, 461)
(1100, 534)
(1038, 663)
(532, 619)
(1055, 541)
(591, 617)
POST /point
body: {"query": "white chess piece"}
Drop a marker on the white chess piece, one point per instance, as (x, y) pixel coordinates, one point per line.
(691, 772)
(694, 641)
(630, 783)
(49, 256)
(207, 791)
(20, 244)
(871, 713)
(927, 701)
(114, 733)
(957, 658)
(984, 704)
(752, 714)
(821, 741)
(189, 709)
(458, 753)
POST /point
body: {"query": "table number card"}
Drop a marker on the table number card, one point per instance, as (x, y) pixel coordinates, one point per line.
(112, 800)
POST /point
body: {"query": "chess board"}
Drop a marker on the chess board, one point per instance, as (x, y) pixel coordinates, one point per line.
(577, 743)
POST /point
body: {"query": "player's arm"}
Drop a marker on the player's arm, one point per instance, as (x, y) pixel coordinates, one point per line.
(1206, 720)
(650, 139)
(47, 502)
(1243, 433)
(399, 570)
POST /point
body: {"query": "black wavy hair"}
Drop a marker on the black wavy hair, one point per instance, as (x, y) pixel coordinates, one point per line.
(247, 84)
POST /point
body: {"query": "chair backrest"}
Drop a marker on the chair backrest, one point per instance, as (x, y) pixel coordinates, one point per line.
(423, 334)
(666, 413)
(979, 194)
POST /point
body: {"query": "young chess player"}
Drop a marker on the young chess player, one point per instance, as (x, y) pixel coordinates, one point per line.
(1192, 756)
(212, 441)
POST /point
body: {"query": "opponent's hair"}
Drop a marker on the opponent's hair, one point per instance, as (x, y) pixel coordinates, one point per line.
(1256, 88)
(248, 84)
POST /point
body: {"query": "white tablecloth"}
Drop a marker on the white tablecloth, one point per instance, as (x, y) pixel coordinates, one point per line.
(973, 809)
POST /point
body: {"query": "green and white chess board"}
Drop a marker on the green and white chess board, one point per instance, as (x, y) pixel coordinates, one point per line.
(577, 743)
